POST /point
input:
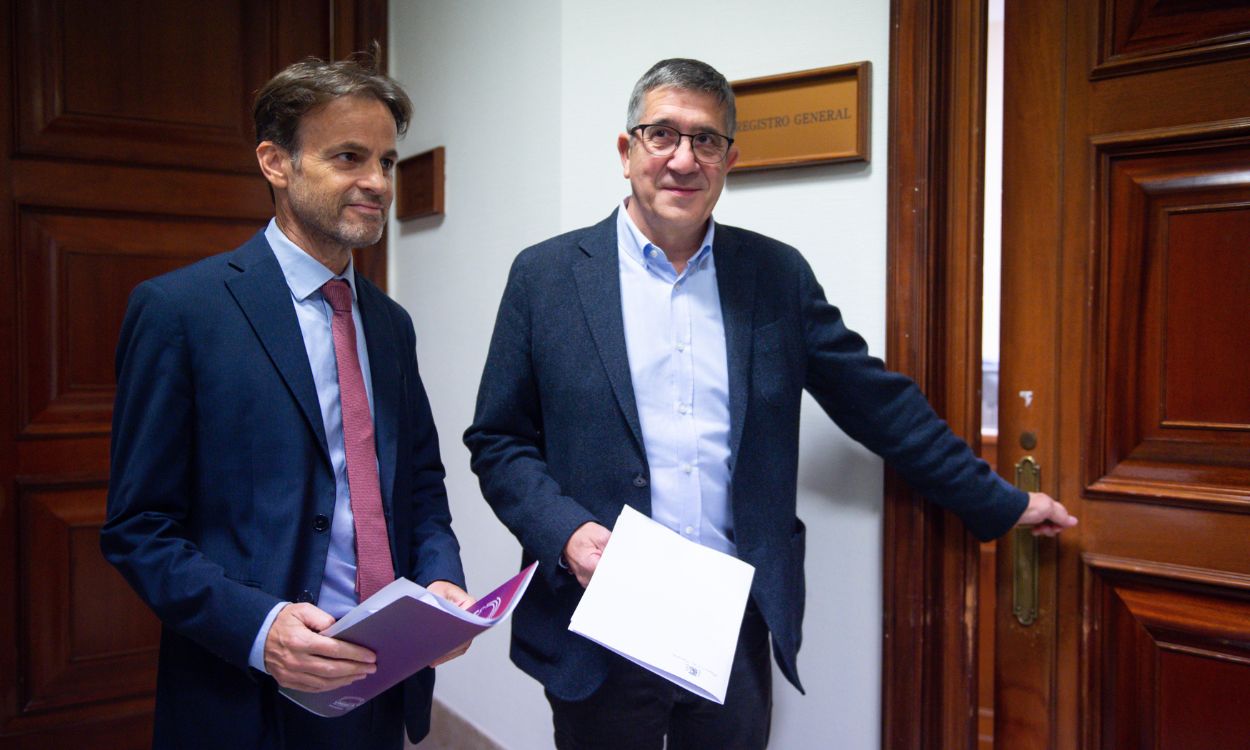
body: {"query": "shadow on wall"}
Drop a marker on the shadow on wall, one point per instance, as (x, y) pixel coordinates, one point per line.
(820, 174)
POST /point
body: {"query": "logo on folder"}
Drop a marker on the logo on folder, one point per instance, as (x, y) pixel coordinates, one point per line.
(489, 608)
(347, 702)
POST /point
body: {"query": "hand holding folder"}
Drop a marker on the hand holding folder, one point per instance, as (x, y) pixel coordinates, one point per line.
(408, 628)
(667, 604)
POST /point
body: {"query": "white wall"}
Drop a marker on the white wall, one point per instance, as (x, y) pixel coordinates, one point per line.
(528, 98)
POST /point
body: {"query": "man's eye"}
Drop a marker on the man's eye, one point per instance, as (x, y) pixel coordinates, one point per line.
(347, 156)
(704, 139)
(661, 134)
(388, 164)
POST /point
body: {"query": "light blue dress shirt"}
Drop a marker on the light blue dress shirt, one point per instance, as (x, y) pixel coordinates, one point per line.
(305, 276)
(675, 339)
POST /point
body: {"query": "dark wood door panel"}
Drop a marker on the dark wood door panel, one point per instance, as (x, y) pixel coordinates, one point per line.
(153, 81)
(1126, 208)
(86, 635)
(1171, 348)
(140, 190)
(1140, 35)
(126, 150)
(1169, 662)
(76, 272)
(1178, 100)
(1190, 538)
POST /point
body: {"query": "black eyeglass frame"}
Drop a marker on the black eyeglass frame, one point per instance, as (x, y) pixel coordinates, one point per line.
(637, 130)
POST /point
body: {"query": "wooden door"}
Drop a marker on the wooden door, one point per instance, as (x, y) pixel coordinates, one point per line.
(1126, 356)
(126, 150)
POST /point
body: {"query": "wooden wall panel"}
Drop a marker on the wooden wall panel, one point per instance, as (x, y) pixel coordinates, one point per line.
(1140, 35)
(1169, 665)
(76, 273)
(140, 82)
(1173, 346)
(126, 150)
(1208, 267)
(87, 636)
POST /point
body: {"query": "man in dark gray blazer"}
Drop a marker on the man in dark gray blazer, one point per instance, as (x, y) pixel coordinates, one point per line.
(657, 360)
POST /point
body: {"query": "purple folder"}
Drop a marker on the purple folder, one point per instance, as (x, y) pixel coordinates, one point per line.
(408, 627)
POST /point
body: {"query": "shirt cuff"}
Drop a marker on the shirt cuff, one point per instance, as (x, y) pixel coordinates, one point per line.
(256, 658)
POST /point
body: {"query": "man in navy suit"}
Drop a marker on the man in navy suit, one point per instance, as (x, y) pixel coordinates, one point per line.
(657, 360)
(274, 457)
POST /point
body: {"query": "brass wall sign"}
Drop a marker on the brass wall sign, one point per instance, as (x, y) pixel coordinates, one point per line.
(815, 116)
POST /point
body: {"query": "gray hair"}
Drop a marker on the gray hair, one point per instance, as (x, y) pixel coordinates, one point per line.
(688, 75)
(310, 83)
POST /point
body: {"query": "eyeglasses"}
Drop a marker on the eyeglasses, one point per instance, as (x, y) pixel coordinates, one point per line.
(662, 140)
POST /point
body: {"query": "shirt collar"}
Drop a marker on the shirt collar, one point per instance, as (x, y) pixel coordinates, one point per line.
(304, 273)
(635, 245)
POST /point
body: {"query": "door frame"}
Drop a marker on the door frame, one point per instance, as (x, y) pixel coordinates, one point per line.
(935, 204)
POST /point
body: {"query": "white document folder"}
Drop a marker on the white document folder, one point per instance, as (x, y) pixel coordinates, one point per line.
(667, 604)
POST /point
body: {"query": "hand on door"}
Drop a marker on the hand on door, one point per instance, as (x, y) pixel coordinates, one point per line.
(1046, 515)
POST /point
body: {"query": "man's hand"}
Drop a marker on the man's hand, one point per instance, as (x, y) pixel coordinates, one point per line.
(583, 550)
(459, 597)
(1046, 515)
(299, 657)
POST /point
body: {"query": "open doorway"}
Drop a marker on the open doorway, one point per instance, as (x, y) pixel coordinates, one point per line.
(991, 269)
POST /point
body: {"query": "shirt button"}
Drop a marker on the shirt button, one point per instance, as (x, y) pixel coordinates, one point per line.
(689, 531)
(687, 468)
(683, 408)
(321, 523)
(681, 346)
(653, 253)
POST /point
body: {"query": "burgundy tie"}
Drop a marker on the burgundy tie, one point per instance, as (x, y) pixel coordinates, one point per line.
(373, 551)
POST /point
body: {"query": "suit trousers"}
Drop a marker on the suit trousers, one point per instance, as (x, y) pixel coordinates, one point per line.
(635, 709)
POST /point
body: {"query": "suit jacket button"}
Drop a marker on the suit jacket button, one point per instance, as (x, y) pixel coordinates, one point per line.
(304, 596)
(321, 523)
(640, 481)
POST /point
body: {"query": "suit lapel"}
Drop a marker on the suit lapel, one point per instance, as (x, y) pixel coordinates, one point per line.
(599, 289)
(735, 279)
(386, 374)
(262, 293)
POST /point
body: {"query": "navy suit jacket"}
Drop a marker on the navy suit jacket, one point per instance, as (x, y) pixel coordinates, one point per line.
(556, 440)
(222, 488)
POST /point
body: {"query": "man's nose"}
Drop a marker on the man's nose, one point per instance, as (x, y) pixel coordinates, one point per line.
(683, 159)
(375, 178)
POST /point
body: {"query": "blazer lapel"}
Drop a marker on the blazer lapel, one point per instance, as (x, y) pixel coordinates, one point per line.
(261, 291)
(381, 342)
(599, 288)
(735, 278)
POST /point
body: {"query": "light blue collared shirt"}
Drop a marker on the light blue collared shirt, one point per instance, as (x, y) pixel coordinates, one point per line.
(305, 276)
(675, 339)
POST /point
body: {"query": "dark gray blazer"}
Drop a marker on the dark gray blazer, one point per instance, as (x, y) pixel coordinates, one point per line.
(556, 439)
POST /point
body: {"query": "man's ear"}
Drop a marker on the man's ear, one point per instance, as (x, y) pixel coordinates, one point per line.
(275, 164)
(731, 158)
(622, 147)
